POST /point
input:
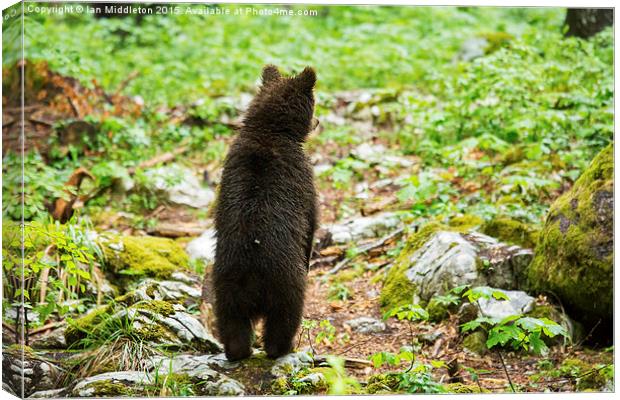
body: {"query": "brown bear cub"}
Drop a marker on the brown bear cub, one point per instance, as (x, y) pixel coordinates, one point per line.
(265, 218)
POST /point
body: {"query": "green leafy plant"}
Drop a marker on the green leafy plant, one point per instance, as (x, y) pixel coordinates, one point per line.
(339, 291)
(326, 332)
(338, 381)
(387, 358)
(516, 331)
(410, 312)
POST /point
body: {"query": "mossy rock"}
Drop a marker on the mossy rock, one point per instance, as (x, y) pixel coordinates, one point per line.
(511, 231)
(397, 289)
(438, 311)
(159, 323)
(574, 255)
(476, 342)
(438, 258)
(113, 389)
(588, 377)
(382, 383)
(496, 40)
(466, 221)
(307, 381)
(136, 257)
(81, 327)
(254, 373)
(465, 388)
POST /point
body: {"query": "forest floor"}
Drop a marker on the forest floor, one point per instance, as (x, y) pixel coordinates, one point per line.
(437, 136)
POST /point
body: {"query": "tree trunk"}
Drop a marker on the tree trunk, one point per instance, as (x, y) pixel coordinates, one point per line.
(586, 22)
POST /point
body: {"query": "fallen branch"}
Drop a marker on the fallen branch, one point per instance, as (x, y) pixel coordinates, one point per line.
(319, 262)
(47, 327)
(365, 249)
(162, 158)
(8, 327)
(125, 82)
(175, 230)
(62, 209)
(348, 361)
(74, 108)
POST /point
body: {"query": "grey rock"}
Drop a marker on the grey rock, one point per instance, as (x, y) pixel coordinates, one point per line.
(8, 389)
(184, 362)
(363, 227)
(429, 337)
(52, 340)
(49, 394)
(181, 329)
(473, 48)
(181, 186)
(185, 278)
(519, 303)
(131, 379)
(212, 383)
(467, 312)
(314, 379)
(11, 313)
(150, 289)
(107, 290)
(450, 259)
(366, 325)
(39, 373)
(378, 154)
(224, 387)
(203, 247)
(290, 364)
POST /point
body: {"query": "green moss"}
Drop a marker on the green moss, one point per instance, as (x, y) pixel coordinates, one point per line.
(437, 311)
(511, 231)
(82, 326)
(18, 350)
(295, 385)
(92, 323)
(144, 256)
(546, 311)
(153, 333)
(513, 155)
(251, 374)
(463, 388)
(476, 342)
(397, 289)
(110, 389)
(164, 308)
(280, 386)
(574, 255)
(496, 40)
(382, 383)
(150, 291)
(466, 221)
(588, 377)
(593, 380)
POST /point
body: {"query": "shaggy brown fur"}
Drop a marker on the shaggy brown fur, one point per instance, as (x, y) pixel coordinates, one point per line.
(266, 217)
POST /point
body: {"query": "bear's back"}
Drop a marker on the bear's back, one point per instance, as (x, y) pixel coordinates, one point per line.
(265, 196)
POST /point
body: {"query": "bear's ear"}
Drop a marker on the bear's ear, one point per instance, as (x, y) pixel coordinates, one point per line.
(270, 74)
(307, 78)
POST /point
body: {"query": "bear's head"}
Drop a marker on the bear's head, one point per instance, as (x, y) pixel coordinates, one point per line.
(283, 105)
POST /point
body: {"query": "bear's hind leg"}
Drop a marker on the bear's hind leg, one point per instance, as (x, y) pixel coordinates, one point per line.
(281, 325)
(236, 335)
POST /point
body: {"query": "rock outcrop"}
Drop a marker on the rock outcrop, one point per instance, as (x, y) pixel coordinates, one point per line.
(574, 256)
